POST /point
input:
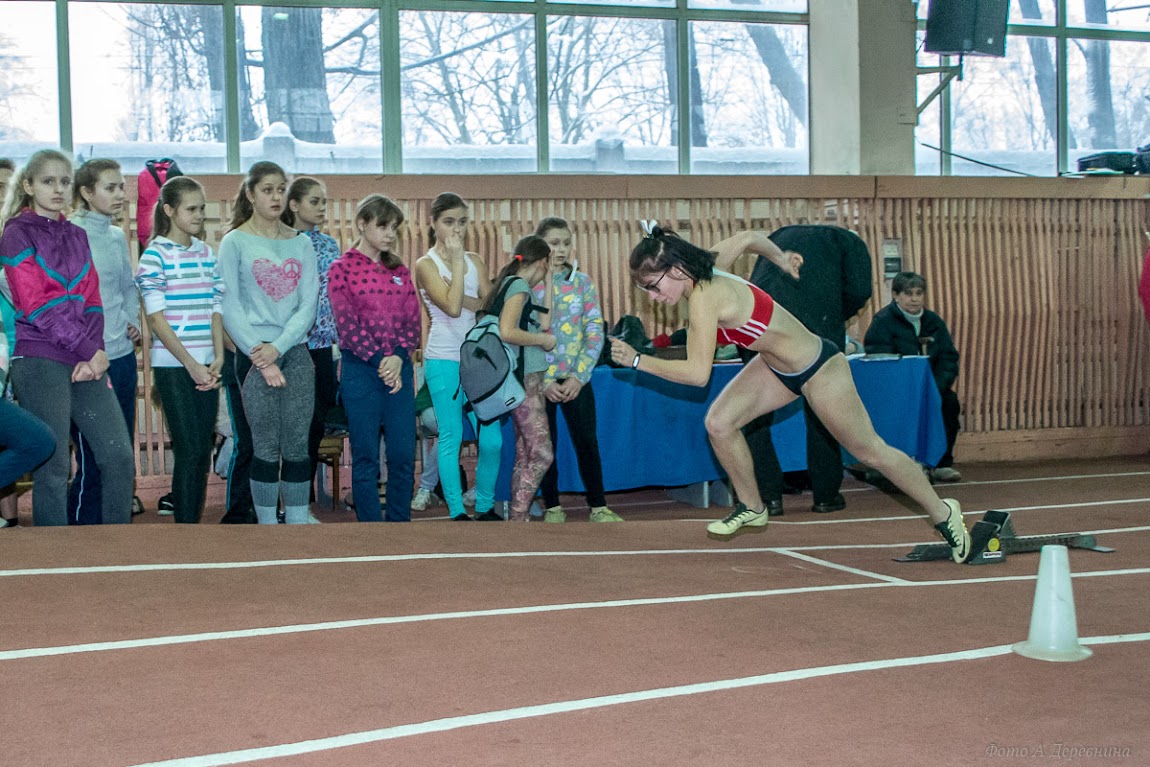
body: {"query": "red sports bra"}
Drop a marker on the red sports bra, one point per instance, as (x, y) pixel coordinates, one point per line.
(760, 317)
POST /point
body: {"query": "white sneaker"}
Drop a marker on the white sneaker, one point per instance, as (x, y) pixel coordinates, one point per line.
(469, 497)
(424, 498)
(739, 517)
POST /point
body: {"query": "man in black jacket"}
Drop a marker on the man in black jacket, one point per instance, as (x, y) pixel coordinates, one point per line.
(908, 328)
(835, 282)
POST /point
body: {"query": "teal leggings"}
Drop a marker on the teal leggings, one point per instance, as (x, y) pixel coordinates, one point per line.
(447, 398)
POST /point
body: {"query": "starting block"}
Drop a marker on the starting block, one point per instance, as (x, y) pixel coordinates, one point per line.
(993, 537)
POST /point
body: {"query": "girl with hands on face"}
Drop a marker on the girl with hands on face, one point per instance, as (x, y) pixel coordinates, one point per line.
(453, 285)
(271, 290)
(577, 324)
(183, 294)
(59, 363)
(377, 317)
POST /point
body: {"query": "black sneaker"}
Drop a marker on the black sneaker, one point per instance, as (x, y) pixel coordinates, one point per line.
(490, 516)
(8, 523)
(137, 506)
(838, 503)
(775, 508)
(165, 507)
(462, 518)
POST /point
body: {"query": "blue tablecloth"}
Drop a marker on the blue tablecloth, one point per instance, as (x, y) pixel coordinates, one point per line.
(651, 431)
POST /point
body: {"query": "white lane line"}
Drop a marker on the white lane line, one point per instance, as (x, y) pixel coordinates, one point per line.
(366, 560)
(212, 636)
(165, 566)
(447, 724)
(843, 568)
(1020, 480)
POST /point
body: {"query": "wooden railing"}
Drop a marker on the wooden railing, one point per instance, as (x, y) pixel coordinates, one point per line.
(1035, 277)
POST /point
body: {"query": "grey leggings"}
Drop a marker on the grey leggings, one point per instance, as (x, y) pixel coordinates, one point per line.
(44, 387)
(280, 420)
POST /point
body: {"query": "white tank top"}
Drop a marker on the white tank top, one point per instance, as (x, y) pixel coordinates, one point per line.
(447, 333)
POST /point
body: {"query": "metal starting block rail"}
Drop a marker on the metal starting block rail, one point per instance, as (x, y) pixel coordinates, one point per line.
(993, 537)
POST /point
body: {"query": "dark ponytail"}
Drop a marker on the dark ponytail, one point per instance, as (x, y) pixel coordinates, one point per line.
(298, 189)
(171, 193)
(661, 250)
(242, 208)
(530, 250)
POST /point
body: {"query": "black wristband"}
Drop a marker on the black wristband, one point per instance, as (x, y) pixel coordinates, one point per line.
(635, 362)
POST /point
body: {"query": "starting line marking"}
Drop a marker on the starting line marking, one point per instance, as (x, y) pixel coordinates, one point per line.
(584, 704)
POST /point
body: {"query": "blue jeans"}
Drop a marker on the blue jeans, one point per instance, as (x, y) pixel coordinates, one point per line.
(85, 495)
(448, 400)
(26, 441)
(371, 407)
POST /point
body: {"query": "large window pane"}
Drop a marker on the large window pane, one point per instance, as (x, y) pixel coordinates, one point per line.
(1004, 112)
(1108, 13)
(750, 92)
(468, 83)
(154, 88)
(780, 6)
(611, 92)
(928, 133)
(29, 106)
(1107, 83)
(310, 88)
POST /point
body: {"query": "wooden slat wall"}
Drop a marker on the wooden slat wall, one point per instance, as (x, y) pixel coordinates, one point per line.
(1036, 280)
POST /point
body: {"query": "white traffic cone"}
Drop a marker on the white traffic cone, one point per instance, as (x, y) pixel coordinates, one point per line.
(1053, 625)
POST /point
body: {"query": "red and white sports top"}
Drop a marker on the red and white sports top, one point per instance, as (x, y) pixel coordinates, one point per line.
(754, 327)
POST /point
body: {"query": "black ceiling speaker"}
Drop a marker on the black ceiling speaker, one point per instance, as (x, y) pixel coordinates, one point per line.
(970, 27)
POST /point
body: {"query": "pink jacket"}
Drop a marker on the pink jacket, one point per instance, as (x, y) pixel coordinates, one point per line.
(55, 289)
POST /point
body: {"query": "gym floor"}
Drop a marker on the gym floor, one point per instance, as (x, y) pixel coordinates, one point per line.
(642, 643)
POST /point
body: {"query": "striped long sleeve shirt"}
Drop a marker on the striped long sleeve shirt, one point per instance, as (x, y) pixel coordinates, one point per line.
(184, 284)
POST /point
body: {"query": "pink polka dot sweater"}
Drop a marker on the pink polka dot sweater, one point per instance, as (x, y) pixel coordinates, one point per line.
(375, 308)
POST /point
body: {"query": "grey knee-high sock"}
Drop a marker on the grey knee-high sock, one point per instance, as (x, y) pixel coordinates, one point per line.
(265, 497)
(295, 495)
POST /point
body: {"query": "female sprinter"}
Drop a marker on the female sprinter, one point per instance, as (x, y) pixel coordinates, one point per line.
(791, 361)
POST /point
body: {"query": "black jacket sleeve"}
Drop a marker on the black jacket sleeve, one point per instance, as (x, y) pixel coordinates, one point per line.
(857, 283)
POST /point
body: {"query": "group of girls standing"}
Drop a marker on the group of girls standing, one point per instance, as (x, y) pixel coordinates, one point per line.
(261, 318)
(535, 285)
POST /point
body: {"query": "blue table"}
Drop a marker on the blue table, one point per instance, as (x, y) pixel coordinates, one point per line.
(651, 431)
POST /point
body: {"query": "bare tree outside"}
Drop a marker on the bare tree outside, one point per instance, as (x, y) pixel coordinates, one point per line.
(11, 89)
(171, 49)
(608, 77)
(468, 78)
